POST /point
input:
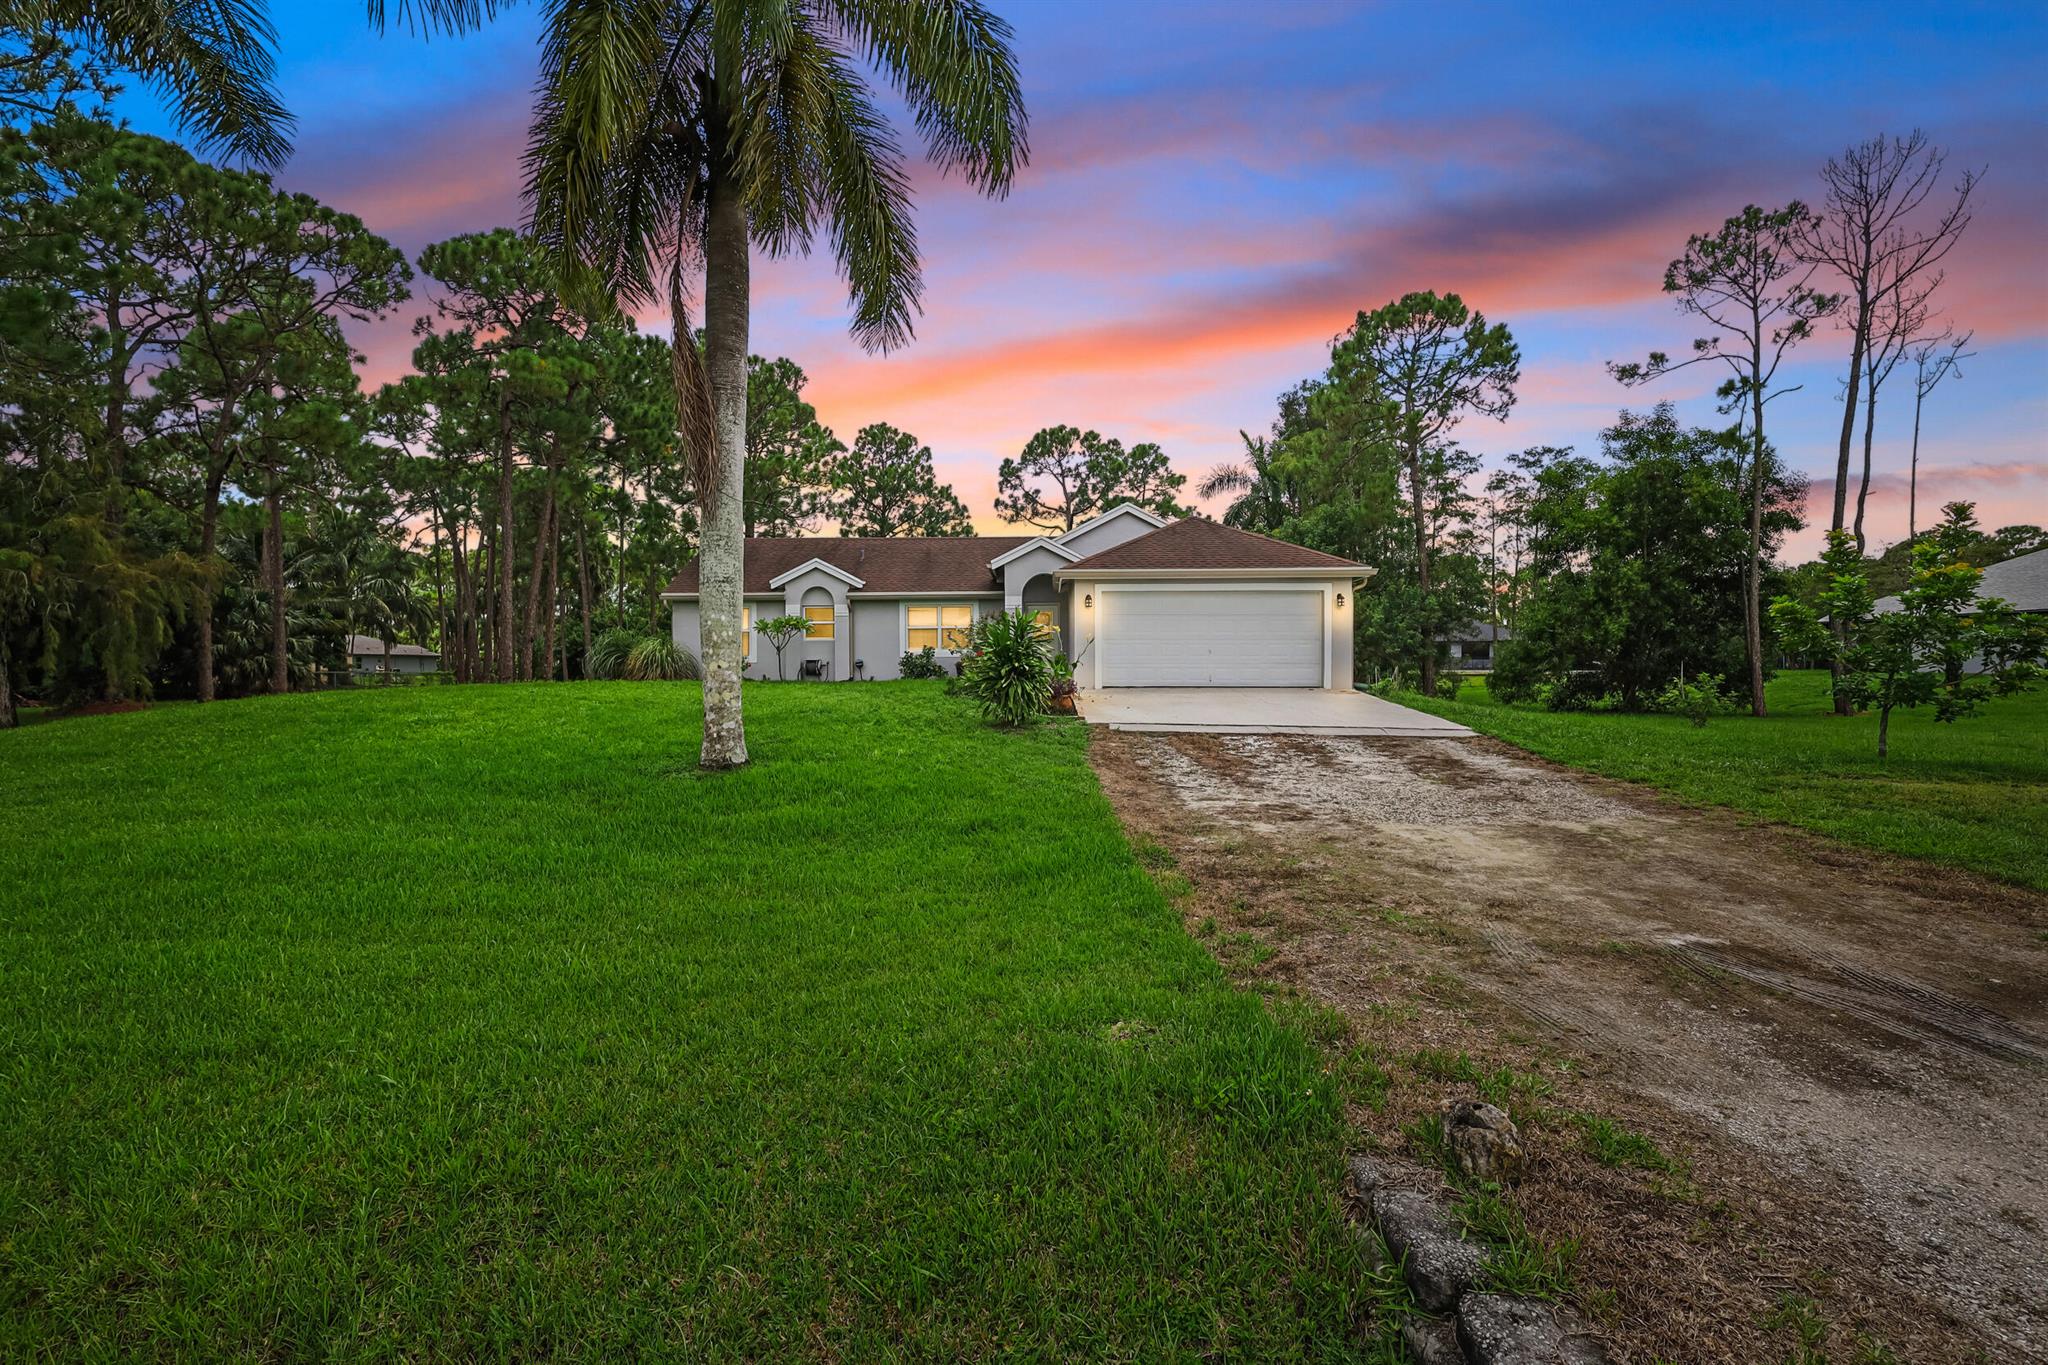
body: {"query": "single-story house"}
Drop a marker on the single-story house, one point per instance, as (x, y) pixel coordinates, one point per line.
(366, 655)
(1135, 601)
(2022, 582)
(1471, 645)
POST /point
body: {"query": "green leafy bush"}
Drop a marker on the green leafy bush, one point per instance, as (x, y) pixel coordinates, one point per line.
(632, 657)
(1010, 670)
(1447, 685)
(1583, 689)
(1699, 698)
(923, 663)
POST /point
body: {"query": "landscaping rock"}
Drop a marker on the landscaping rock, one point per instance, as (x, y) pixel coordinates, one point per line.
(1439, 1264)
(1497, 1330)
(1483, 1142)
(1432, 1341)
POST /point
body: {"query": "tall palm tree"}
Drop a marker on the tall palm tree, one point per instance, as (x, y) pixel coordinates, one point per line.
(212, 59)
(1263, 498)
(673, 131)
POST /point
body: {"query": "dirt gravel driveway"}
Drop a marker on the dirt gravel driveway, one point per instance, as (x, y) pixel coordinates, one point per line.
(1868, 1037)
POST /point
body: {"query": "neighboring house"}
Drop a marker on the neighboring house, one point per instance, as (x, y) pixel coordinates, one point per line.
(1134, 600)
(2021, 581)
(1471, 646)
(366, 655)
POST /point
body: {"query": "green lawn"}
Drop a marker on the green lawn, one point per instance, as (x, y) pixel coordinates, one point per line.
(1972, 794)
(474, 1022)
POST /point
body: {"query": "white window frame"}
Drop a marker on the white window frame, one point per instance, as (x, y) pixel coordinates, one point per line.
(938, 604)
(746, 633)
(830, 622)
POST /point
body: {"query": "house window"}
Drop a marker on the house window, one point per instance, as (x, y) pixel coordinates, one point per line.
(746, 633)
(944, 628)
(818, 623)
(1047, 626)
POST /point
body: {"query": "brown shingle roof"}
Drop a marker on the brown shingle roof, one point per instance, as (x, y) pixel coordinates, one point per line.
(1197, 544)
(887, 565)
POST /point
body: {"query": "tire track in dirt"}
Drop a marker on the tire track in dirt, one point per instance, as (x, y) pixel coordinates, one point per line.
(1875, 1031)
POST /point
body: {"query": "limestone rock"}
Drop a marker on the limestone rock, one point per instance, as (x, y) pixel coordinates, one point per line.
(1483, 1142)
(1497, 1330)
(1432, 1341)
(1439, 1265)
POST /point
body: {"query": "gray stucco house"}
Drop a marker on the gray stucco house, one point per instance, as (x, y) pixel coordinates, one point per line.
(2021, 582)
(1471, 646)
(1136, 601)
(366, 655)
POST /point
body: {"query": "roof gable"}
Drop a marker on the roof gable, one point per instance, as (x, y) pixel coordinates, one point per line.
(883, 565)
(1194, 543)
(1040, 543)
(1122, 509)
(815, 563)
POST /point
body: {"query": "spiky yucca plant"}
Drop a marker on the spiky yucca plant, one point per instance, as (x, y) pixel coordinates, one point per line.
(1009, 669)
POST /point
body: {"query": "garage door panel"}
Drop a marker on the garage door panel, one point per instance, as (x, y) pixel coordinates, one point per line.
(1206, 637)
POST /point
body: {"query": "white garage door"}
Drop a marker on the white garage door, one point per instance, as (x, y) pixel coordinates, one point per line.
(1209, 637)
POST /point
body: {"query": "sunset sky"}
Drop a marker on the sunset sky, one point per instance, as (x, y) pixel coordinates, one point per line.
(1217, 189)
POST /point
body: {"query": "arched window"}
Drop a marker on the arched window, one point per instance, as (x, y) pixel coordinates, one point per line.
(819, 621)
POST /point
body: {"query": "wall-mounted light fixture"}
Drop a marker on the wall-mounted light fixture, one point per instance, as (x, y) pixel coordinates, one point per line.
(1088, 600)
(1340, 601)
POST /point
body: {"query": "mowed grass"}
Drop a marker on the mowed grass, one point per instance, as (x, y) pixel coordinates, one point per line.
(476, 1023)
(1970, 794)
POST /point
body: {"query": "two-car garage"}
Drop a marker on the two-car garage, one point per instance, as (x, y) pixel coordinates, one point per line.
(1222, 634)
(1195, 605)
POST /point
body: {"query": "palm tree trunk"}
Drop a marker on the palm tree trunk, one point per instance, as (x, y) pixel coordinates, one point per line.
(583, 593)
(507, 627)
(273, 576)
(722, 546)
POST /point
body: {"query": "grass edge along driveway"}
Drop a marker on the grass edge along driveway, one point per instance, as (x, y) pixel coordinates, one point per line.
(1971, 794)
(476, 1022)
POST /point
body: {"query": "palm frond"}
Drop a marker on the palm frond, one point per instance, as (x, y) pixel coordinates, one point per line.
(214, 58)
(953, 61)
(867, 201)
(1225, 478)
(437, 16)
(597, 181)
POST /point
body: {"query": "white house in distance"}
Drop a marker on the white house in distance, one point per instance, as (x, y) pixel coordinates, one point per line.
(366, 654)
(1137, 601)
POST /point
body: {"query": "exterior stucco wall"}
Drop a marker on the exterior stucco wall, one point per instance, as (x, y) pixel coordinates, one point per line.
(685, 630)
(400, 663)
(877, 637)
(1106, 534)
(870, 632)
(1028, 566)
(817, 588)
